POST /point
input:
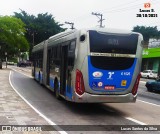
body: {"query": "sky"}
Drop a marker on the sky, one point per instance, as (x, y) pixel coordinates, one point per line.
(119, 14)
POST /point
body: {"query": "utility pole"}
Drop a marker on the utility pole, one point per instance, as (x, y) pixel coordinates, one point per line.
(100, 18)
(70, 23)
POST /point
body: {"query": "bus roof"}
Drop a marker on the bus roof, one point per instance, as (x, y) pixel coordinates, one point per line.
(63, 36)
(38, 47)
(111, 30)
(58, 36)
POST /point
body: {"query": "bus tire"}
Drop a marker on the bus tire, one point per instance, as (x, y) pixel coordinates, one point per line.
(56, 90)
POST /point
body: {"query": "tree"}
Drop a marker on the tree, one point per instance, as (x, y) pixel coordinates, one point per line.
(40, 27)
(12, 37)
(147, 32)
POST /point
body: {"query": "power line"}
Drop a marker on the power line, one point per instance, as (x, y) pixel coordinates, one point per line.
(122, 4)
(103, 10)
(100, 18)
(123, 7)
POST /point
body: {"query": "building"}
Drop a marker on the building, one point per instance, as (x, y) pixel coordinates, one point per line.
(151, 59)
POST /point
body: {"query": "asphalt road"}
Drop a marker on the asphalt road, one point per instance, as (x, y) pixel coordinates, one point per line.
(143, 94)
(62, 112)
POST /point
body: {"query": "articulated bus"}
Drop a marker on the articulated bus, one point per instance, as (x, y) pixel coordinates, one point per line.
(90, 66)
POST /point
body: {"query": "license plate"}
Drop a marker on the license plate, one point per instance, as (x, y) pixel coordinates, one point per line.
(109, 87)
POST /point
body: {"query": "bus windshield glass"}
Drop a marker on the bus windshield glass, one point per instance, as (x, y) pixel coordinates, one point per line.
(113, 43)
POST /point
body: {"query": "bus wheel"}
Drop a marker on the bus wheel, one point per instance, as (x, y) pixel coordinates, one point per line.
(56, 90)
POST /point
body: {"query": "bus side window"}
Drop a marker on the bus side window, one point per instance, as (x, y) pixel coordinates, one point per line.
(71, 53)
(72, 46)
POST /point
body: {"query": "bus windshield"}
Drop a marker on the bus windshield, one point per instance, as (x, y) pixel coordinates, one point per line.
(113, 43)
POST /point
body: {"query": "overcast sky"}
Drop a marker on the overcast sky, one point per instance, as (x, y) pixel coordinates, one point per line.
(119, 14)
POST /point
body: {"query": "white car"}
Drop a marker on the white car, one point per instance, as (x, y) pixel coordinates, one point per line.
(149, 74)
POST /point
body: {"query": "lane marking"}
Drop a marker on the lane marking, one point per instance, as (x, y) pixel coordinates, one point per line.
(143, 82)
(38, 112)
(148, 103)
(22, 73)
(139, 122)
(128, 118)
(136, 121)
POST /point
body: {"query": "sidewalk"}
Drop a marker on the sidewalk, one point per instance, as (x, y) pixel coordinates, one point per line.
(13, 110)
